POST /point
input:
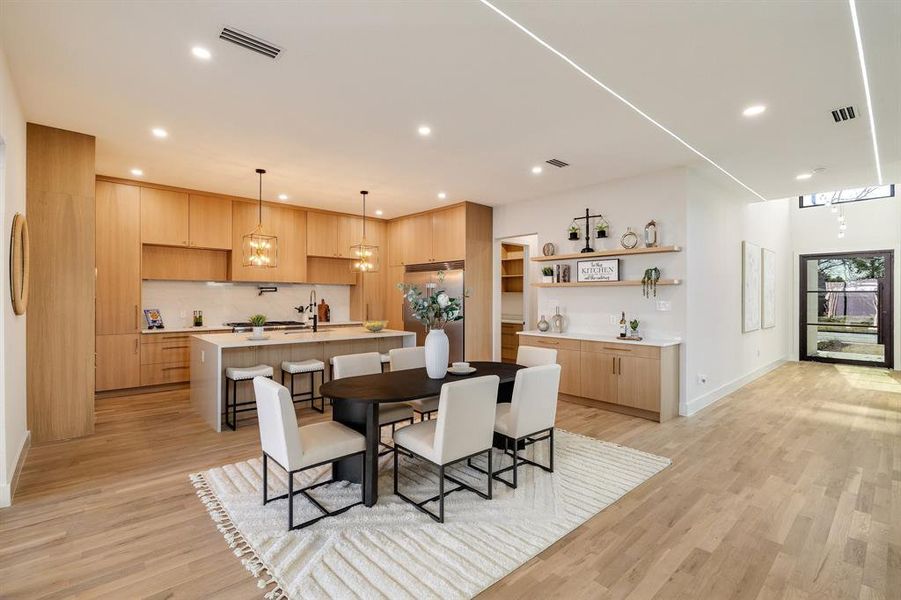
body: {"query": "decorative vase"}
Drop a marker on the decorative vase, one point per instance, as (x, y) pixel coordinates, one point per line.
(437, 353)
(257, 332)
(543, 325)
(547, 278)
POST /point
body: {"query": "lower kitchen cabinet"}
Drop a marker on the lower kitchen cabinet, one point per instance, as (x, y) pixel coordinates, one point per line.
(639, 380)
(118, 362)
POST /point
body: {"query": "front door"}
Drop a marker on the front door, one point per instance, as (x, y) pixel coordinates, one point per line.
(846, 308)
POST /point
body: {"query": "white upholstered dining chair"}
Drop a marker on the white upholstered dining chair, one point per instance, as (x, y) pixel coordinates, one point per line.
(370, 363)
(530, 414)
(413, 358)
(531, 356)
(298, 449)
(463, 430)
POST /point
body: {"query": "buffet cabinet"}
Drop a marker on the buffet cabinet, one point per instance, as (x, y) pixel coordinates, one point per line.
(641, 380)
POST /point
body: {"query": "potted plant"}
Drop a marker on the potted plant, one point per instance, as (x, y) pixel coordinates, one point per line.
(257, 321)
(574, 232)
(633, 325)
(547, 274)
(434, 312)
(600, 228)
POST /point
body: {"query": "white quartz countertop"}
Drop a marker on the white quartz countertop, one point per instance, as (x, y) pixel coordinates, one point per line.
(239, 340)
(596, 337)
(210, 328)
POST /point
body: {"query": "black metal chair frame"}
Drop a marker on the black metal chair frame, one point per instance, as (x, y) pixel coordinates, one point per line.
(300, 396)
(389, 448)
(292, 492)
(526, 440)
(441, 477)
(233, 425)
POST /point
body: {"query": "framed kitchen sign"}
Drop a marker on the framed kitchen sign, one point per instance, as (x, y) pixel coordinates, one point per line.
(597, 270)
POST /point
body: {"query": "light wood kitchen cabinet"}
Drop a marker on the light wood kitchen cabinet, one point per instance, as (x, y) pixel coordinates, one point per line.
(322, 234)
(394, 298)
(164, 217)
(449, 234)
(209, 222)
(397, 245)
(118, 362)
(282, 222)
(297, 265)
(640, 380)
(350, 231)
(367, 297)
(418, 240)
(117, 259)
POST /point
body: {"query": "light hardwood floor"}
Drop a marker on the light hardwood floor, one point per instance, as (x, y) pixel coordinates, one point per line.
(789, 488)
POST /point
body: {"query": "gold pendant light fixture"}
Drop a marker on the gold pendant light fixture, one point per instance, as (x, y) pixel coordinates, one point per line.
(258, 249)
(365, 255)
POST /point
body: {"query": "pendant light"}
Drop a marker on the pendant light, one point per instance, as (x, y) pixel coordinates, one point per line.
(365, 255)
(258, 249)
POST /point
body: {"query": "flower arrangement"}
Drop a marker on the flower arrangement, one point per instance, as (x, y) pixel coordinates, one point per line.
(436, 310)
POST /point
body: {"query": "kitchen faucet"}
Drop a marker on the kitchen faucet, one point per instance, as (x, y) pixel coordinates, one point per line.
(312, 309)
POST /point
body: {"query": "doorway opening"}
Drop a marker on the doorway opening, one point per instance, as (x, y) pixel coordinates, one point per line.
(846, 308)
(512, 268)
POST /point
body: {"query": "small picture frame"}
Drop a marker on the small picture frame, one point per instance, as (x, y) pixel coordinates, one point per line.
(154, 318)
(588, 271)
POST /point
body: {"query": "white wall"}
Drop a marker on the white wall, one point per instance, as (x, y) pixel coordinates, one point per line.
(229, 302)
(872, 225)
(626, 202)
(719, 218)
(13, 424)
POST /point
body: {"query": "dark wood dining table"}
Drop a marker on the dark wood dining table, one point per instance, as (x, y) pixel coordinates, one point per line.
(356, 403)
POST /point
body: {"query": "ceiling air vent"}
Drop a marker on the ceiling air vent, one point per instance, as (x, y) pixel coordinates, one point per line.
(846, 113)
(557, 163)
(250, 42)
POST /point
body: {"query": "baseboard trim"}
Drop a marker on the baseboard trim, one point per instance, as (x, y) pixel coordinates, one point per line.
(701, 402)
(7, 491)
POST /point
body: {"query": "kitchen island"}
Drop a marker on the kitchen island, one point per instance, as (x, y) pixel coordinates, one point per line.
(211, 354)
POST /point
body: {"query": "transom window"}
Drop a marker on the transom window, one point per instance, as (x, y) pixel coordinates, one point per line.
(848, 195)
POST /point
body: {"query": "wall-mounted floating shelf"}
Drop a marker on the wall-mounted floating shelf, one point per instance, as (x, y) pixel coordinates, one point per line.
(626, 282)
(603, 253)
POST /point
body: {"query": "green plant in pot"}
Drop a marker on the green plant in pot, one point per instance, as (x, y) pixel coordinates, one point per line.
(649, 282)
(547, 274)
(600, 228)
(574, 232)
(257, 321)
(633, 325)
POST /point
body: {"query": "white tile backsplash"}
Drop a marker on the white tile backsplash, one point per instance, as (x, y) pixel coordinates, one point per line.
(225, 302)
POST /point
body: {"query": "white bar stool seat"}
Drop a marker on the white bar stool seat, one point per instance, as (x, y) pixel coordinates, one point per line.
(236, 374)
(310, 366)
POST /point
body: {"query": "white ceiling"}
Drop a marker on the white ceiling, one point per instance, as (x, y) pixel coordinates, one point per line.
(338, 111)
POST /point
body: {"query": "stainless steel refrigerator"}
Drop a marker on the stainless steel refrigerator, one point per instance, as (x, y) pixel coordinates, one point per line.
(425, 277)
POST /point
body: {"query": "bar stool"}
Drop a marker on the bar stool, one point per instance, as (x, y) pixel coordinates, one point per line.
(311, 366)
(236, 374)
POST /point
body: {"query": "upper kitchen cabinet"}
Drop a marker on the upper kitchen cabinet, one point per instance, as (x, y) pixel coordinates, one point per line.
(322, 234)
(297, 261)
(437, 236)
(164, 217)
(209, 223)
(449, 234)
(118, 258)
(350, 230)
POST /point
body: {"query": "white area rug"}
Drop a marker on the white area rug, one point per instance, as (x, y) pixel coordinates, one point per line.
(392, 550)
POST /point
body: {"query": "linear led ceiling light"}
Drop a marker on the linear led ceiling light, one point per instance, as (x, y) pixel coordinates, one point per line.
(866, 86)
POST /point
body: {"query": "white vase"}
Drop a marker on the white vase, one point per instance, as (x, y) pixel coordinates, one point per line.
(437, 353)
(547, 278)
(257, 332)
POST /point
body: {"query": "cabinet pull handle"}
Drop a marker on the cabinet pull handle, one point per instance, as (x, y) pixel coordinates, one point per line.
(548, 343)
(618, 349)
(174, 347)
(136, 317)
(137, 345)
(172, 368)
(613, 363)
(620, 366)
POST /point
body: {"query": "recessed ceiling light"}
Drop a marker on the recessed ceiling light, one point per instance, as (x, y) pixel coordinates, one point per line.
(803, 176)
(283, 196)
(159, 132)
(424, 130)
(753, 111)
(378, 212)
(137, 172)
(536, 170)
(442, 195)
(201, 53)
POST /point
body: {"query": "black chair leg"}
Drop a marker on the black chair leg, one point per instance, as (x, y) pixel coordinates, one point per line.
(515, 469)
(235, 405)
(490, 474)
(265, 478)
(290, 501)
(440, 493)
(551, 442)
(395, 472)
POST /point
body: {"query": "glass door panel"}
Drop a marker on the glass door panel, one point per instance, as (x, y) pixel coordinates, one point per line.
(846, 308)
